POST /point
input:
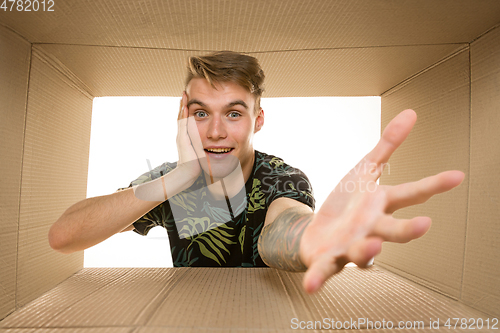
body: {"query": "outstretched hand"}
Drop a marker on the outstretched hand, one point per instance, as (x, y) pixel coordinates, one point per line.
(357, 216)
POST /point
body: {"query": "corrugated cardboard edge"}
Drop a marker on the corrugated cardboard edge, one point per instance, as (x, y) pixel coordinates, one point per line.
(481, 275)
(16, 63)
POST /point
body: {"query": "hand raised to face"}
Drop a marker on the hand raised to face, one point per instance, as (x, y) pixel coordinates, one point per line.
(189, 145)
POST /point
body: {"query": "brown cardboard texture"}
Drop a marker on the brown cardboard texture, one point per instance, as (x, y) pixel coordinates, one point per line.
(441, 98)
(16, 53)
(234, 299)
(439, 57)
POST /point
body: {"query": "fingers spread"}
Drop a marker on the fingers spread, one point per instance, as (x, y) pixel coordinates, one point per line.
(418, 192)
(401, 230)
(392, 137)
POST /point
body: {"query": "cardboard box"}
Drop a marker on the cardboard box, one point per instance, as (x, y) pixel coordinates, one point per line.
(234, 300)
(440, 58)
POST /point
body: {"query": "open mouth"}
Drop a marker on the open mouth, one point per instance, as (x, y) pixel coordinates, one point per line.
(219, 150)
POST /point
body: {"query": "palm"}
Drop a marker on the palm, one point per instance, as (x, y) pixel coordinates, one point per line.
(357, 216)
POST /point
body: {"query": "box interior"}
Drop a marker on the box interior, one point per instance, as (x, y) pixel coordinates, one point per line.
(440, 58)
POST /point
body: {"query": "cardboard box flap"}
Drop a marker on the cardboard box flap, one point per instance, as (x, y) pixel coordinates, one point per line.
(54, 173)
(257, 26)
(155, 72)
(229, 299)
(364, 47)
(439, 141)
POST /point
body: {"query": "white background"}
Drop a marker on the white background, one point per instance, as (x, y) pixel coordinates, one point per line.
(324, 137)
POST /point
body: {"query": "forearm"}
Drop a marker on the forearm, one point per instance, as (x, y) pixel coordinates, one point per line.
(279, 242)
(93, 220)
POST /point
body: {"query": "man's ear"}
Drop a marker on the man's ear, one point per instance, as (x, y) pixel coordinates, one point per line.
(259, 121)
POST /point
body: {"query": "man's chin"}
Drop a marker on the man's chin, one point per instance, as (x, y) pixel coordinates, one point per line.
(219, 169)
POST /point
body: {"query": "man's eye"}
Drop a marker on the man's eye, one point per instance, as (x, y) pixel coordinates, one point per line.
(234, 114)
(200, 114)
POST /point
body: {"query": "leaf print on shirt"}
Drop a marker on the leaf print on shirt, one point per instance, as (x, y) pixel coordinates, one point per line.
(218, 214)
(257, 198)
(185, 200)
(183, 259)
(212, 242)
(277, 162)
(241, 238)
(255, 249)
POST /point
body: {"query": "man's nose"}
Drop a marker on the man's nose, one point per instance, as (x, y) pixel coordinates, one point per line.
(217, 129)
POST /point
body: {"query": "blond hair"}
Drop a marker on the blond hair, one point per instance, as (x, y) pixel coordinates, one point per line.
(228, 66)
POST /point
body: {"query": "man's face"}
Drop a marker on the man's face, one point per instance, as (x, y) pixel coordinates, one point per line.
(226, 122)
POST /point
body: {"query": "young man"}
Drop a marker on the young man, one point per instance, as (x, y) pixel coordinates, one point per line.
(225, 204)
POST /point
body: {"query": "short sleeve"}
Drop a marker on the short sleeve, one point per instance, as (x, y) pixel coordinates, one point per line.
(293, 184)
(280, 180)
(158, 215)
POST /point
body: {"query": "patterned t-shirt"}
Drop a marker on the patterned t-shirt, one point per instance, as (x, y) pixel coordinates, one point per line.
(205, 232)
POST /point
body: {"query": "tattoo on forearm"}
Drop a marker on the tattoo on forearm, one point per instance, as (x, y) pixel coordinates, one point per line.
(279, 242)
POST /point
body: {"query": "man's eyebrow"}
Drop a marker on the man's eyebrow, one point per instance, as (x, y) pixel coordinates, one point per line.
(237, 102)
(230, 105)
(195, 101)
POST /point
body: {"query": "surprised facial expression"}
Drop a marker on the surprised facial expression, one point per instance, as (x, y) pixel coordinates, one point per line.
(226, 120)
